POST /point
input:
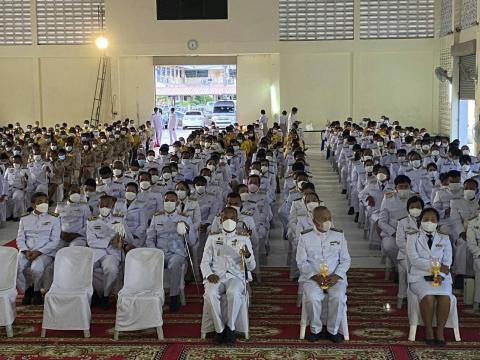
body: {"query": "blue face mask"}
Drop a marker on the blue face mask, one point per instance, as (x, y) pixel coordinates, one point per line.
(141, 162)
(61, 157)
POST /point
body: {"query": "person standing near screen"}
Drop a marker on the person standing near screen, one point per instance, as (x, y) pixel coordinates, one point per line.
(172, 125)
(157, 123)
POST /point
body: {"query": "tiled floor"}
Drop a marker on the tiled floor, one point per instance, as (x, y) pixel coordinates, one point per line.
(327, 186)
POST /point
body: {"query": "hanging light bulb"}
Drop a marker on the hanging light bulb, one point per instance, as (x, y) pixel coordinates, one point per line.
(101, 42)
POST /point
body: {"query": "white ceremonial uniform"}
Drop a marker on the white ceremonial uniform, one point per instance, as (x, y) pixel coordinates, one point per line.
(136, 221)
(405, 226)
(107, 256)
(115, 188)
(172, 127)
(188, 169)
(419, 256)
(73, 219)
(473, 243)
(17, 185)
(313, 249)
(157, 122)
(36, 233)
(221, 257)
(162, 234)
(38, 180)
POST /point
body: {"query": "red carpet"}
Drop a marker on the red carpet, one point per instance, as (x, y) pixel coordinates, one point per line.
(274, 325)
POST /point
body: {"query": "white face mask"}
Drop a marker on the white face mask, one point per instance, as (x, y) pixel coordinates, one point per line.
(381, 177)
(255, 172)
(403, 193)
(466, 152)
(416, 163)
(429, 226)
(229, 225)
(155, 178)
(264, 169)
(74, 198)
(17, 166)
(117, 172)
(415, 212)
(167, 176)
(392, 151)
(200, 189)
(425, 147)
(169, 206)
(130, 196)
(42, 208)
(105, 211)
(107, 181)
(145, 185)
(150, 158)
(182, 194)
(245, 196)
(435, 152)
(211, 167)
(208, 178)
(327, 225)
(300, 184)
(469, 194)
(312, 206)
(37, 157)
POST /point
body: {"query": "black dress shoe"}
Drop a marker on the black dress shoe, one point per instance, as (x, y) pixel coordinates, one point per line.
(344, 191)
(104, 304)
(440, 343)
(351, 211)
(337, 338)
(218, 338)
(430, 342)
(175, 303)
(230, 337)
(313, 337)
(37, 298)
(356, 217)
(27, 298)
(95, 300)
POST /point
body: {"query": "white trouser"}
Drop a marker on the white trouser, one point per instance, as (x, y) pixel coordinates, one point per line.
(16, 203)
(336, 305)
(476, 268)
(389, 247)
(110, 266)
(402, 278)
(234, 290)
(31, 272)
(174, 263)
(173, 134)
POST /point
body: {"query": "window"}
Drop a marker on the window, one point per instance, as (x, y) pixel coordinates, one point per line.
(446, 18)
(69, 22)
(396, 19)
(316, 19)
(469, 14)
(15, 22)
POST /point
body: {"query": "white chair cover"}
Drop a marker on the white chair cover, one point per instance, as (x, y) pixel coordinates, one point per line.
(415, 317)
(8, 280)
(140, 301)
(67, 303)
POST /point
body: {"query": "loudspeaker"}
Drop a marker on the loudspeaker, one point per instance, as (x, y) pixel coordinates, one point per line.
(192, 9)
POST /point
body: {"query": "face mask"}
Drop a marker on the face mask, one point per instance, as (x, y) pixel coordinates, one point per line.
(53, 147)
(208, 178)
(455, 186)
(415, 212)
(211, 167)
(103, 141)
(185, 161)
(418, 147)
(327, 225)
(237, 208)
(37, 157)
(264, 169)
(381, 177)
(167, 176)
(105, 211)
(469, 194)
(145, 185)
(74, 198)
(169, 206)
(401, 158)
(117, 172)
(182, 194)
(229, 225)
(416, 163)
(435, 152)
(245, 196)
(17, 152)
(254, 172)
(252, 188)
(365, 158)
(42, 208)
(379, 144)
(392, 151)
(425, 147)
(17, 166)
(174, 173)
(200, 189)
(312, 206)
(107, 181)
(466, 168)
(403, 193)
(466, 152)
(155, 179)
(151, 158)
(141, 162)
(269, 158)
(130, 196)
(86, 147)
(444, 145)
(429, 226)
(369, 169)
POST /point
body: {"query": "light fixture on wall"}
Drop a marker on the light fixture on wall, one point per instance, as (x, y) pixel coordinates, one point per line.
(101, 42)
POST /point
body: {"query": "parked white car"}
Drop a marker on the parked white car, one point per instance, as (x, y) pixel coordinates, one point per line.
(193, 119)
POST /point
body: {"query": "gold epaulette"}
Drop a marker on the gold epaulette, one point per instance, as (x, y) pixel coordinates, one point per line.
(242, 233)
(25, 214)
(92, 218)
(389, 194)
(159, 213)
(306, 231)
(193, 198)
(442, 232)
(247, 213)
(118, 215)
(251, 201)
(214, 233)
(53, 213)
(210, 193)
(337, 230)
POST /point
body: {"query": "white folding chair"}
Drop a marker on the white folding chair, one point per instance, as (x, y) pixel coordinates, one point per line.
(8, 290)
(241, 325)
(305, 321)
(67, 303)
(415, 318)
(140, 301)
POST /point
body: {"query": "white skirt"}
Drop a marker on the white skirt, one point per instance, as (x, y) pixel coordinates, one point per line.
(422, 288)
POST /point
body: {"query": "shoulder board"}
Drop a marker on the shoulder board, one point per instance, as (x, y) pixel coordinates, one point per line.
(193, 198)
(261, 192)
(247, 213)
(159, 213)
(473, 218)
(210, 193)
(26, 214)
(118, 215)
(184, 214)
(214, 233)
(92, 218)
(408, 170)
(403, 218)
(337, 230)
(83, 202)
(53, 213)
(389, 194)
(251, 201)
(306, 231)
(242, 233)
(442, 232)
